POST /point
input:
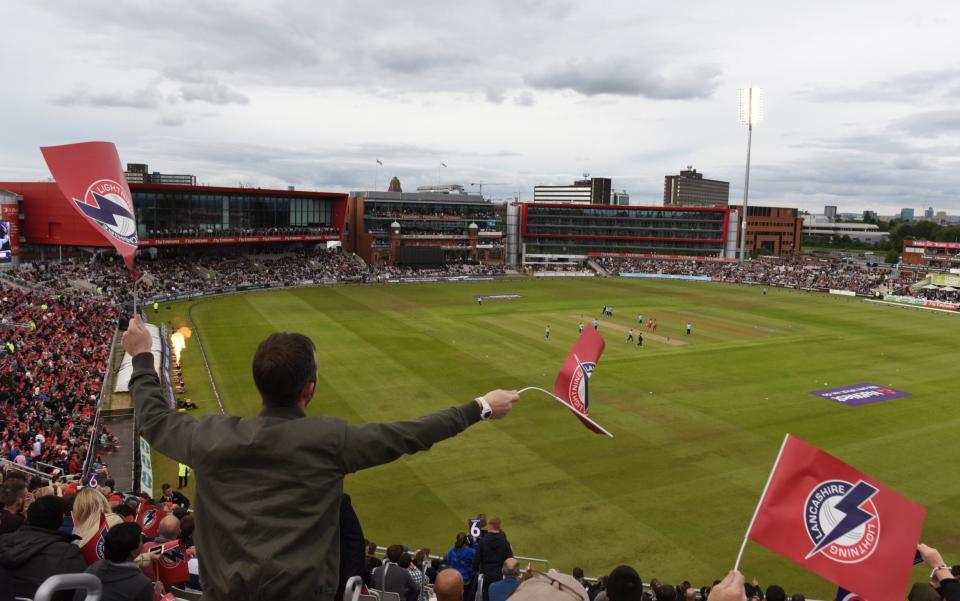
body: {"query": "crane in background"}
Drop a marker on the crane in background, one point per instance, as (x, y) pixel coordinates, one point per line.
(482, 184)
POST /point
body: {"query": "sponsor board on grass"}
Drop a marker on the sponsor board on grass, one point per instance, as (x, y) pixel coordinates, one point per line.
(666, 276)
(920, 302)
(499, 296)
(860, 394)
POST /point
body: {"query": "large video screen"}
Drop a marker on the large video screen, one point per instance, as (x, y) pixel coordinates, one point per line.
(5, 253)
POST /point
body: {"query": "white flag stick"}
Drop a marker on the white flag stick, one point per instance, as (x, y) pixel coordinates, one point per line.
(736, 566)
(568, 406)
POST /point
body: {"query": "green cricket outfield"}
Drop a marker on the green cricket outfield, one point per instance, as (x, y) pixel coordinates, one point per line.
(697, 420)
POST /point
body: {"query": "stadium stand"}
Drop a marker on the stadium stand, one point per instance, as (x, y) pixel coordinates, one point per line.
(56, 349)
(802, 273)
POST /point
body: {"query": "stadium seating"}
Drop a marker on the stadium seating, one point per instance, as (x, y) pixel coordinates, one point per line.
(804, 273)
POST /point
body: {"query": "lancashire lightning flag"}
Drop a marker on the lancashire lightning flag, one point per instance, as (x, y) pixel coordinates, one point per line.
(92, 550)
(172, 567)
(572, 383)
(838, 522)
(90, 176)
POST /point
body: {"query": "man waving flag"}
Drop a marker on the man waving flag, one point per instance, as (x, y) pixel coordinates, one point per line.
(90, 175)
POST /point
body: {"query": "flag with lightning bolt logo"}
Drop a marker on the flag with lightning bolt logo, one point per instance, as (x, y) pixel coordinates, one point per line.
(91, 178)
(837, 522)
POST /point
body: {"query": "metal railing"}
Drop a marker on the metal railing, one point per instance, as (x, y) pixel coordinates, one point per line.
(104, 390)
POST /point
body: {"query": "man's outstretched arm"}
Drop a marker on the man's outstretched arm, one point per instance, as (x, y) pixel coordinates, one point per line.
(367, 445)
(167, 430)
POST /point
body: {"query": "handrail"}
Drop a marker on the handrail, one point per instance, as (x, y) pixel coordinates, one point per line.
(104, 388)
(88, 583)
(26, 470)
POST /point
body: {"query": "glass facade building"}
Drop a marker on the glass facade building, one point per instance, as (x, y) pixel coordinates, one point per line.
(558, 232)
(169, 209)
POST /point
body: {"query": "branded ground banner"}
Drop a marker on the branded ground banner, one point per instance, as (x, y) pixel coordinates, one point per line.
(859, 394)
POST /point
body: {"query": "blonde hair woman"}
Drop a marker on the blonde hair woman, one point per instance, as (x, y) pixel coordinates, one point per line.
(87, 507)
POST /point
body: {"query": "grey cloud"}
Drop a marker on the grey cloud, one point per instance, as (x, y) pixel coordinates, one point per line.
(145, 98)
(525, 98)
(213, 92)
(172, 120)
(628, 78)
(495, 96)
(930, 124)
(907, 87)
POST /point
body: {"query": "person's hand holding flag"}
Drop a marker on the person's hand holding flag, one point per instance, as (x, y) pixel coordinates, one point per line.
(729, 589)
(500, 401)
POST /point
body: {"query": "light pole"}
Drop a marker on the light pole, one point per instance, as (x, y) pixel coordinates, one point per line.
(751, 113)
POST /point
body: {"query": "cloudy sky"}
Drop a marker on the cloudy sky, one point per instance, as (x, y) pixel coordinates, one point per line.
(861, 97)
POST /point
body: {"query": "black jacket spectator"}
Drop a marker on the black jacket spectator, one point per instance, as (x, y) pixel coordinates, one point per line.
(352, 557)
(37, 551)
(492, 550)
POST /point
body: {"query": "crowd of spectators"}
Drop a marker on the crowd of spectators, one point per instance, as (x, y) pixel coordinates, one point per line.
(456, 574)
(945, 294)
(108, 279)
(193, 232)
(442, 213)
(809, 273)
(139, 548)
(389, 272)
(55, 350)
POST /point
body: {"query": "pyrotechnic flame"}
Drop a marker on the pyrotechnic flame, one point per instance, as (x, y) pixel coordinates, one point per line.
(179, 341)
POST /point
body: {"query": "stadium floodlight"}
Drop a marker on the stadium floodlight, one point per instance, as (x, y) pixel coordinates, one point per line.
(750, 106)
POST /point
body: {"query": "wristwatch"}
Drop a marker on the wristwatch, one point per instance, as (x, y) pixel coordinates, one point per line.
(485, 411)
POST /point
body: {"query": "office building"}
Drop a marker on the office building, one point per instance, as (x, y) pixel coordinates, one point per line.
(906, 214)
(773, 231)
(830, 212)
(590, 190)
(426, 229)
(819, 227)
(571, 233)
(691, 189)
(139, 173)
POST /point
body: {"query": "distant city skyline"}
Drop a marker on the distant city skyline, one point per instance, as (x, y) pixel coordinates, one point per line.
(314, 95)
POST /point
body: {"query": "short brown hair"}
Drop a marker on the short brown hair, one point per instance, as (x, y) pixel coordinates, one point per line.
(283, 364)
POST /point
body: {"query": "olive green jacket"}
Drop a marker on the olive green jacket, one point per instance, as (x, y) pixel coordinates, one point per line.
(268, 487)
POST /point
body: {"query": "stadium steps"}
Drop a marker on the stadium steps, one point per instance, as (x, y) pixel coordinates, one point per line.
(596, 267)
(120, 422)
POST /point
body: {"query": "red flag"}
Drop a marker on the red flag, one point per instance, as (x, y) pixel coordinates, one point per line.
(148, 518)
(838, 522)
(172, 569)
(92, 550)
(571, 385)
(91, 177)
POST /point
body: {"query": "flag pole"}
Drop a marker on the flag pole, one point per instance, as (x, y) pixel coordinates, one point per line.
(736, 566)
(567, 405)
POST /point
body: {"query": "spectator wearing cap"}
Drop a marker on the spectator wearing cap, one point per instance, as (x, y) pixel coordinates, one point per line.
(37, 550)
(499, 591)
(120, 576)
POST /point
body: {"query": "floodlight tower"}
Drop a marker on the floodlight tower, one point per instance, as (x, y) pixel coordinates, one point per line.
(751, 113)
